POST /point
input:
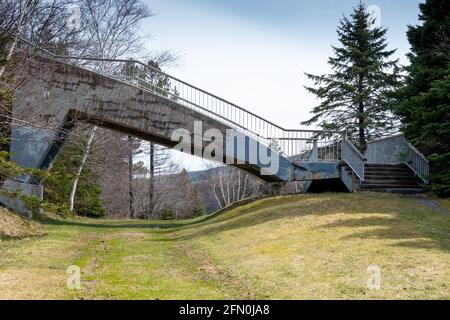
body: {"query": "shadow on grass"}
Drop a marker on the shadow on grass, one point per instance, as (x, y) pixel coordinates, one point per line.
(381, 217)
(420, 229)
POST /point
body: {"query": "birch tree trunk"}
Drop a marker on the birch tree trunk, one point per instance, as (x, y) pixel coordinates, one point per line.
(151, 194)
(80, 168)
(215, 195)
(130, 175)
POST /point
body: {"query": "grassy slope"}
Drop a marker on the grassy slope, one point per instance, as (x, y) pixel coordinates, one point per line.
(14, 227)
(298, 247)
(445, 204)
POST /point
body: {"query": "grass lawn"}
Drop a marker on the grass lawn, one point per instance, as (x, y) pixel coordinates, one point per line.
(13, 226)
(445, 204)
(296, 247)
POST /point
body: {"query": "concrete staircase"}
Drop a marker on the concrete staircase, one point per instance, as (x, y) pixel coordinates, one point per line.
(388, 178)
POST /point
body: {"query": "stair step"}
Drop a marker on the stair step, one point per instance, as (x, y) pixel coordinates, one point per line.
(387, 170)
(390, 176)
(390, 186)
(392, 181)
(386, 175)
(399, 190)
(386, 166)
(412, 182)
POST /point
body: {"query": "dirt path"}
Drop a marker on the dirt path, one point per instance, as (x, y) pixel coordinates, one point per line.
(433, 205)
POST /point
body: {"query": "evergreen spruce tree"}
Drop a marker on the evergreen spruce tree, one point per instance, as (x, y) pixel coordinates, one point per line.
(357, 95)
(424, 105)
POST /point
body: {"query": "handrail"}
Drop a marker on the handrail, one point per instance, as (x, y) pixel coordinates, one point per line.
(354, 159)
(397, 150)
(416, 151)
(417, 162)
(398, 134)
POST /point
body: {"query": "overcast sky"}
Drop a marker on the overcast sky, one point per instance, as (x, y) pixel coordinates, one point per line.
(254, 52)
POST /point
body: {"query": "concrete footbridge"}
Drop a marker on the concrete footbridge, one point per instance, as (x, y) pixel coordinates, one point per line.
(140, 100)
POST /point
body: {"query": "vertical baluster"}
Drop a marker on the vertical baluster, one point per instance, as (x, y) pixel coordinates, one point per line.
(215, 106)
(264, 129)
(293, 144)
(253, 123)
(182, 92)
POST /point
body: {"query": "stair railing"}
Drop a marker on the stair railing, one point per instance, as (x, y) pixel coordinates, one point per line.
(354, 159)
(397, 150)
(347, 179)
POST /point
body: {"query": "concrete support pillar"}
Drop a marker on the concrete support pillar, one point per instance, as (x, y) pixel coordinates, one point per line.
(29, 146)
(18, 205)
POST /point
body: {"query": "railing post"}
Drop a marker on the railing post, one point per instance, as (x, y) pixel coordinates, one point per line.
(344, 138)
(345, 135)
(315, 151)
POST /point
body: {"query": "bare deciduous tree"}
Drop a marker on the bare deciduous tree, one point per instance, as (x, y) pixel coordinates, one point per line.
(110, 31)
(155, 182)
(230, 185)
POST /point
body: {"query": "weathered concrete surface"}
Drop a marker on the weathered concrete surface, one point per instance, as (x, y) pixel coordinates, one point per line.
(29, 146)
(71, 93)
(24, 188)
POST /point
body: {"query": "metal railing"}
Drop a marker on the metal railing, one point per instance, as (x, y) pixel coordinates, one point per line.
(354, 159)
(289, 143)
(397, 150)
(347, 179)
